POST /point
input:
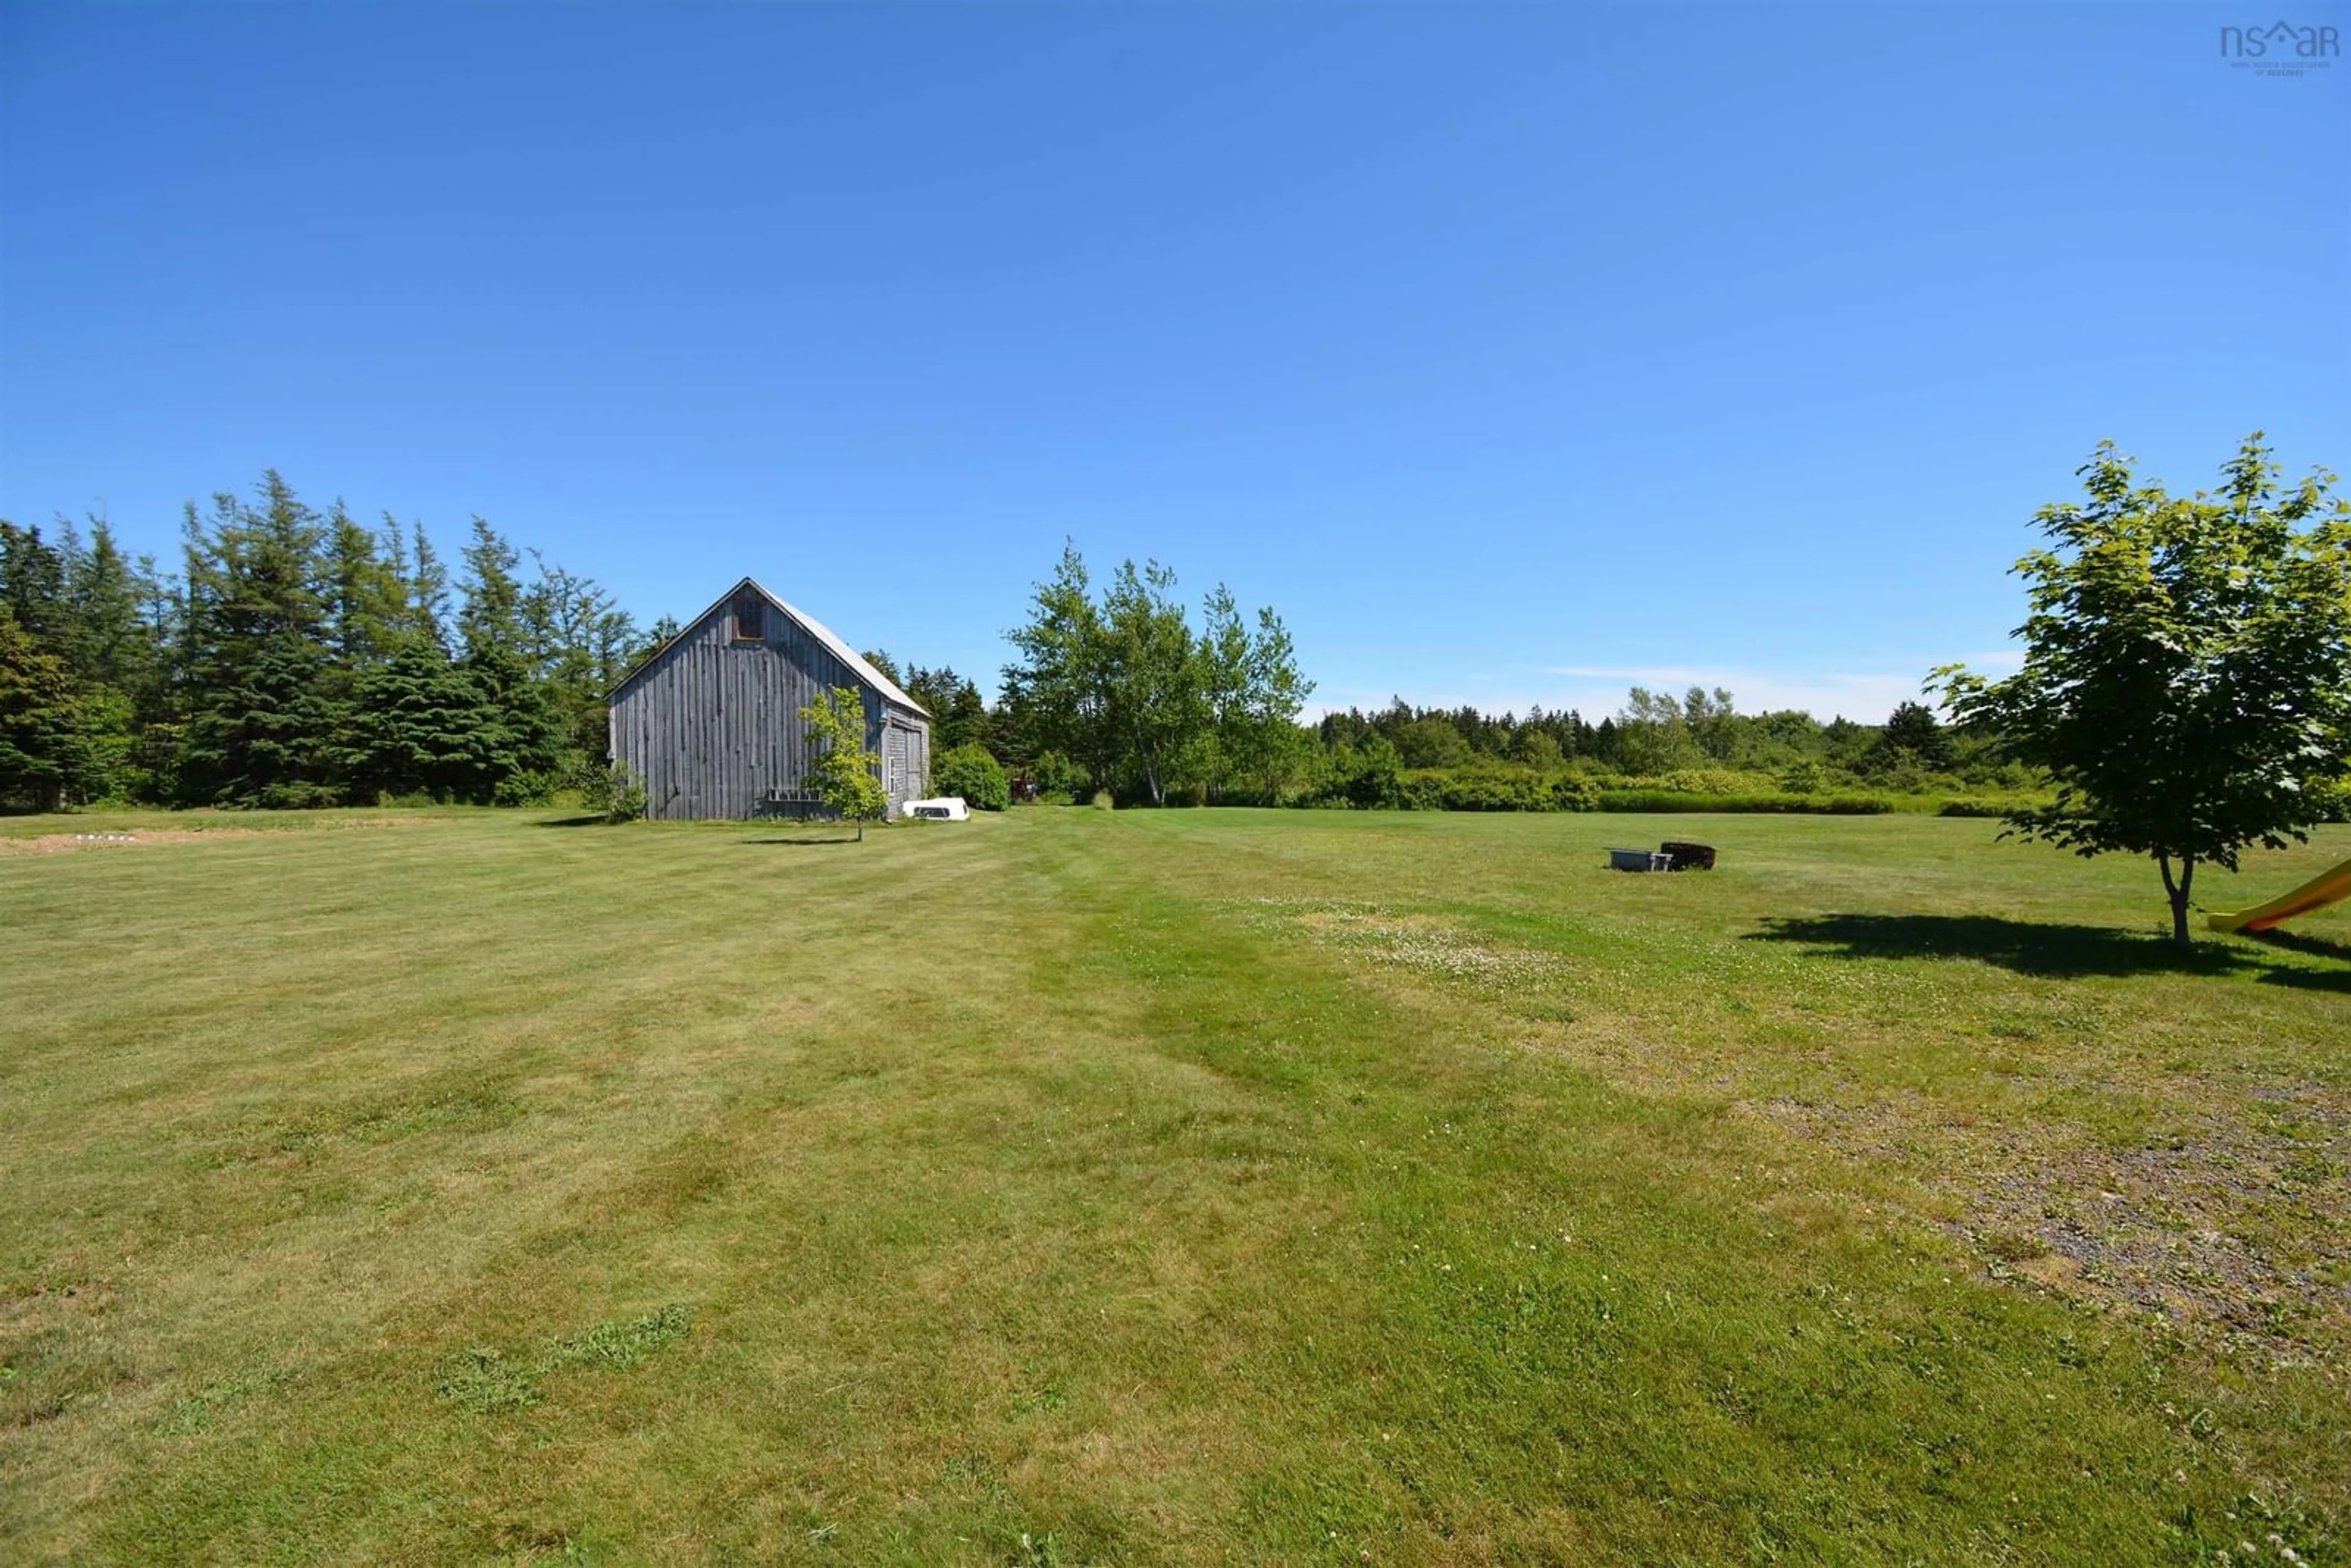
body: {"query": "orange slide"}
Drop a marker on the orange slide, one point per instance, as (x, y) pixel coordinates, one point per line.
(2327, 887)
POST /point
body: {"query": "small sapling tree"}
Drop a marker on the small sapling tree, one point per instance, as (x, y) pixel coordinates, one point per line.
(841, 771)
(2186, 671)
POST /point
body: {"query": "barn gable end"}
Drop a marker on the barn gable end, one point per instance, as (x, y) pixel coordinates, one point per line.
(711, 724)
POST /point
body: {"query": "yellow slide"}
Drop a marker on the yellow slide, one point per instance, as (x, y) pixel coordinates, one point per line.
(2327, 887)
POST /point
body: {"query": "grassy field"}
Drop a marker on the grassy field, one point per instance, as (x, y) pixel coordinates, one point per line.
(1079, 1186)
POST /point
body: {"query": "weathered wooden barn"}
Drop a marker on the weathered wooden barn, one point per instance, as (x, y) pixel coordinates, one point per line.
(712, 722)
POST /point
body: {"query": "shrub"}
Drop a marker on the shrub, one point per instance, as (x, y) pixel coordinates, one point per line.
(1365, 775)
(1676, 800)
(2010, 778)
(1979, 806)
(972, 771)
(1497, 789)
(1366, 780)
(526, 788)
(1574, 792)
(611, 792)
(298, 795)
(1806, 778)
(1707, 782)
(1420, 791)
(1056, 777)
(1482, 787)
(1490, 790)
(1103, 801)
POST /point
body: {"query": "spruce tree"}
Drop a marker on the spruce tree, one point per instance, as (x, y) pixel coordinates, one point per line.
(42, 750)
(575, 636)
(366, 599)
(33, 585)
(516, 740)
(70, 729)
(112, 645)
(417, 717)
(262, 720)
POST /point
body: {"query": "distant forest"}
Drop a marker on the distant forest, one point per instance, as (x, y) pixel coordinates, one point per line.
(294, 657)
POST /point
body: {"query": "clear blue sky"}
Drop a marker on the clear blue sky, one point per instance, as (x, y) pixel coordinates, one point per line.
(1513, 354)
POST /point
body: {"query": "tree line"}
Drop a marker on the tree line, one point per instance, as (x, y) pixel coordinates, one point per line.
(297, 658)
(1656, 732)
(1114, 687)
(301, 657)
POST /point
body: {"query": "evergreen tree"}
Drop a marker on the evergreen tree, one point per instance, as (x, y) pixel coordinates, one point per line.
(298, 659)
(33, 587)
(491, 618)
(417, 724)
(516, 738)
(152, 768)
(1912, 736)
(659, 635)
(428, 587)
(262, 722)
(575, 637)
(108, 644)
(114, 658)
(959, 716)
(43, 752)
(366, 598)
(363, 601)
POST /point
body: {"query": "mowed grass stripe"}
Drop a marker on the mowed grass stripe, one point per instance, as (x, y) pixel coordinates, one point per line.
(1072, 1191)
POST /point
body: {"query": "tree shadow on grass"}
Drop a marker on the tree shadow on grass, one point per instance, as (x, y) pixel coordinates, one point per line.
(2044, 951)
(2297, 941)
(803, 843)
(570, 822)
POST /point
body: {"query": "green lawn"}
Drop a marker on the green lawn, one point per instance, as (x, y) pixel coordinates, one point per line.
(1075, 1187)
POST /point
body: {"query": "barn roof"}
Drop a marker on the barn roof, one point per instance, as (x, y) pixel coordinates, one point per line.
(858, 664)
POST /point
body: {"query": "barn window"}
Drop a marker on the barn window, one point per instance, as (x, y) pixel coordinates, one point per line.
(750, 618)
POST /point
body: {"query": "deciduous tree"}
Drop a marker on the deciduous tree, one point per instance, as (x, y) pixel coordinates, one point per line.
(842, 771)
(1125, 686)
(2186, 675)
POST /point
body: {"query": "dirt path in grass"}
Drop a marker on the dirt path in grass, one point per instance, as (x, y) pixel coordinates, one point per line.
(64, 843)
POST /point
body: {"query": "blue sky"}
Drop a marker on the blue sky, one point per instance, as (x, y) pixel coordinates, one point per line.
(1513, 354)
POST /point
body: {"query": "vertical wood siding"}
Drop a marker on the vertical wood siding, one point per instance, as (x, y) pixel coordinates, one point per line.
(712, 724)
